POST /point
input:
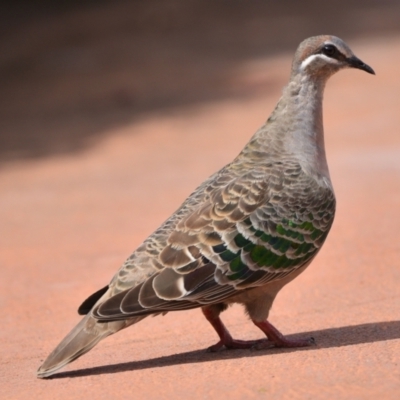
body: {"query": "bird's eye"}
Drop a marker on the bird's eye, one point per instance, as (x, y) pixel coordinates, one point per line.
(329, 50)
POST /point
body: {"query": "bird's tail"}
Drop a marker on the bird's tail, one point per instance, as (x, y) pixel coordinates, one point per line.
(78, 342)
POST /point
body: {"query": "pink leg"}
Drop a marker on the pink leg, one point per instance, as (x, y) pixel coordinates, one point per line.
(277, 339)
(226, 339)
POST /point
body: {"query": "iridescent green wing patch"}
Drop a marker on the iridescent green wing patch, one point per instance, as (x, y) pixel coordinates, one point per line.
(290, 246)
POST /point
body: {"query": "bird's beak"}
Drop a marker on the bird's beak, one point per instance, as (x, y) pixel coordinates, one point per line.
(355, 62)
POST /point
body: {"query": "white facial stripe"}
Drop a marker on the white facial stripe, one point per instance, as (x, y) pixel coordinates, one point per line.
(310, 59)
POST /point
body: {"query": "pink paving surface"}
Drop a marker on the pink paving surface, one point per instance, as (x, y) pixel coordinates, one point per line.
(68, 221)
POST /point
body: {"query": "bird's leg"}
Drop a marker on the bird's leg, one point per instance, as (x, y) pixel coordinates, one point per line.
(278, 339)
(226, 340)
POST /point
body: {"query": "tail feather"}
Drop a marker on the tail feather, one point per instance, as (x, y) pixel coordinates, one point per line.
(79, 341)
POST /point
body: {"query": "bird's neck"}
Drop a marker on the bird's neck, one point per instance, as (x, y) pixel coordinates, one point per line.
(299, 111)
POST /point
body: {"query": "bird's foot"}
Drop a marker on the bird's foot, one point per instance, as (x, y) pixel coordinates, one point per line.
(274, 337)
(226, 341)
(235, 344)
(277, 339)
(283, 342)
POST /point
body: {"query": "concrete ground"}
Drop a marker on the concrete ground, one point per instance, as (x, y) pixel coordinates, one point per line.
(102, 140)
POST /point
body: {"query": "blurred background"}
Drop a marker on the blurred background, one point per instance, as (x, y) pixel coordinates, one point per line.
(70, 71)
(112, 112)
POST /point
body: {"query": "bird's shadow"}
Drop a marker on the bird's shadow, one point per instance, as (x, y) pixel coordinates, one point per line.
(325, 338)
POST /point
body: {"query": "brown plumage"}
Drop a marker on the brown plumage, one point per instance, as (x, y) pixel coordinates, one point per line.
(243, 234)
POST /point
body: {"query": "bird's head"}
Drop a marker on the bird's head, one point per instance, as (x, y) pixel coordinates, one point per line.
(322, 56)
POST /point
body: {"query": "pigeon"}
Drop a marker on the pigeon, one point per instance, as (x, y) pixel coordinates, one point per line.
(243, 234)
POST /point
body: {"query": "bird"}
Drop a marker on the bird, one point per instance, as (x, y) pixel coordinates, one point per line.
(243, 234)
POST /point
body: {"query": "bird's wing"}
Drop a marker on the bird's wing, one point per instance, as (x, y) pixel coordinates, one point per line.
(239, 232)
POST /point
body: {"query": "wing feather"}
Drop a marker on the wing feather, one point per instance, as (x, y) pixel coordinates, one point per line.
(236, 231)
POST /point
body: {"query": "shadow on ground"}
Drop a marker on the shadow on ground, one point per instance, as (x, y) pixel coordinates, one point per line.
(326, 338)
(70, 72)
